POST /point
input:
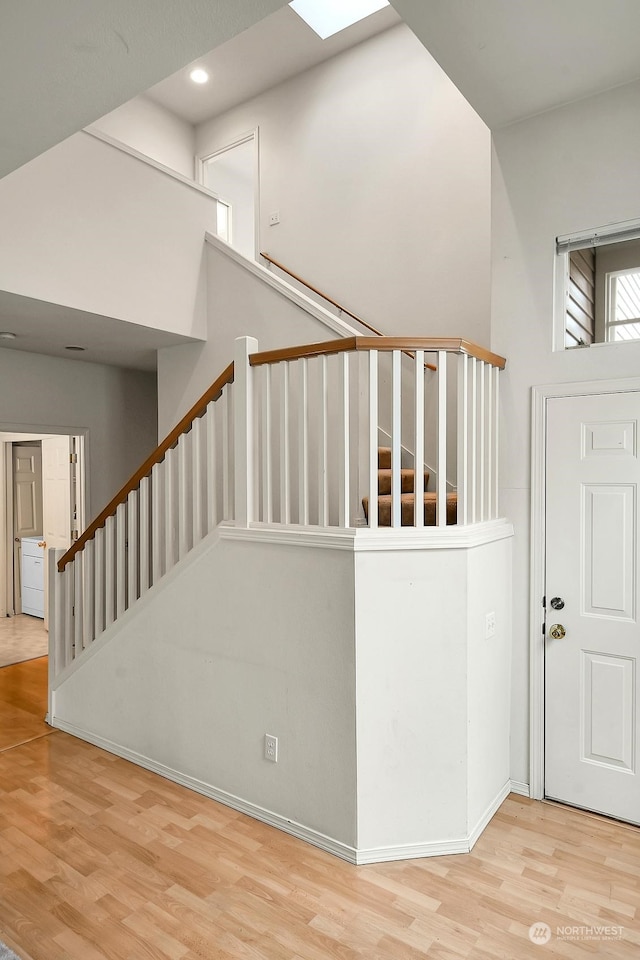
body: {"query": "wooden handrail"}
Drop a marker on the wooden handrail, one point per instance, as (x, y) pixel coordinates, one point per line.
(157, 456)
(325, 296)
(349, 344)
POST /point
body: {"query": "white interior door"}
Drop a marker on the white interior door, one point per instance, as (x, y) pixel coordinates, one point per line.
(27, 506)
(592, 715)
(56, 499)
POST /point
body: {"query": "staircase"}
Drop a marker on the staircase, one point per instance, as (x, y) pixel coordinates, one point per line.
(287, 440)
(407, 496)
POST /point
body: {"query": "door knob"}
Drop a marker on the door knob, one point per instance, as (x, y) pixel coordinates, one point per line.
(42, 543)
(557, 631)
(557, 603)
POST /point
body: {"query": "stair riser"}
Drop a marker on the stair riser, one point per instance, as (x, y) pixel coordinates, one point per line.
(406, 481)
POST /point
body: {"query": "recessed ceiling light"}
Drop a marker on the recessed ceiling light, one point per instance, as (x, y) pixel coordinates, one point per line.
(7, 335)
(199, 75)
(327, 17)
(76, 348)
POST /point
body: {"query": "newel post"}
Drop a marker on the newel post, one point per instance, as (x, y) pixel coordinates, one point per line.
(243, 430)
(56, 617)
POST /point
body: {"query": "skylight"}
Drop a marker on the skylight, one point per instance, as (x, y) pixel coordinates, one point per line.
(327, 17)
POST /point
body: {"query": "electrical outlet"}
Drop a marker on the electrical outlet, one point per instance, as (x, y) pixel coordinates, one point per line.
(270, 748)
(490, 625)
(274, 218)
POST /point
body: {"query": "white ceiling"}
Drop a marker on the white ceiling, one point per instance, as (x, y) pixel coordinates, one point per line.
(48, 328)
(278, 47)
(516, 58)
(66, 63)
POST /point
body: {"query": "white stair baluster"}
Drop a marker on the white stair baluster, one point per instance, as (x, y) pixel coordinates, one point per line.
(473, 416)
(69, 581)
(144, 542)
(99, 581)
(88, 597)
(225, 411)
(243, 437)
(441, 483)
(267, 463)
(157, 490)
(197, 478)
(343, 442)
(418, 458)
(109, 571)
(396, 438)
(78, 616)
(488, 452)
(495, 505)
(184, 494)
(303, 445)
(482, 440)
(170, 510)
(372, 479)
(132, 548)
(462, 481)
(212, 466)
(285, 488)
(121, 559)
(323, 451)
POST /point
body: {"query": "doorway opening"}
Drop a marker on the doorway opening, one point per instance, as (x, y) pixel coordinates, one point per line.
(42, 505)
(232, 173)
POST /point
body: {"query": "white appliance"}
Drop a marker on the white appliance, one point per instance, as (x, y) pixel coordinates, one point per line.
(33, 576)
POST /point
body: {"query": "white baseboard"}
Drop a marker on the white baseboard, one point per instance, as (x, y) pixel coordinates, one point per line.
(336, 847)
(409, 851)
(501, 796)
(412, 851)
(522, 789)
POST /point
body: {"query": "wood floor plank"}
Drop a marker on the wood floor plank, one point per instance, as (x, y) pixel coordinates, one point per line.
(101, 860)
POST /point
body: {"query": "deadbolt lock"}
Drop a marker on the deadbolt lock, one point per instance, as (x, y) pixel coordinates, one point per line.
(557, 631)
(557, 603)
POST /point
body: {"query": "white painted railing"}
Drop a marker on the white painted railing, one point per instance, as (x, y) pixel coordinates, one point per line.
(320, 412)
(179, 495)
(290, 438)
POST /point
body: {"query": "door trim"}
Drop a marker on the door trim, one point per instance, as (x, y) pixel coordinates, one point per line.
(6, 506)
(201, 158)
(539, 397)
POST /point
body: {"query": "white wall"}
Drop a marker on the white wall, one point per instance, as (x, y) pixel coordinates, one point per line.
(238, 304)
(433, 693)
(154, 131)
(88, 226)
(242, 639)
(116, 407)
(359, 662)
(558, 173)
(381, 173)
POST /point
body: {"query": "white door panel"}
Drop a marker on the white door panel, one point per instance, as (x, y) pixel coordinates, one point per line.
(592, 720)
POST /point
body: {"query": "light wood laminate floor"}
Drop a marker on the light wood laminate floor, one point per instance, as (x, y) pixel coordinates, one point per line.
(100, 859)
(22, 638)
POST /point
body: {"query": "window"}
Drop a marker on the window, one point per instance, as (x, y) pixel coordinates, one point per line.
(622, 321)
(598, 287)
(223, 220)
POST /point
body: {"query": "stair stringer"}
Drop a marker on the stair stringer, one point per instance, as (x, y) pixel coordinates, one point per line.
(239, 639)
